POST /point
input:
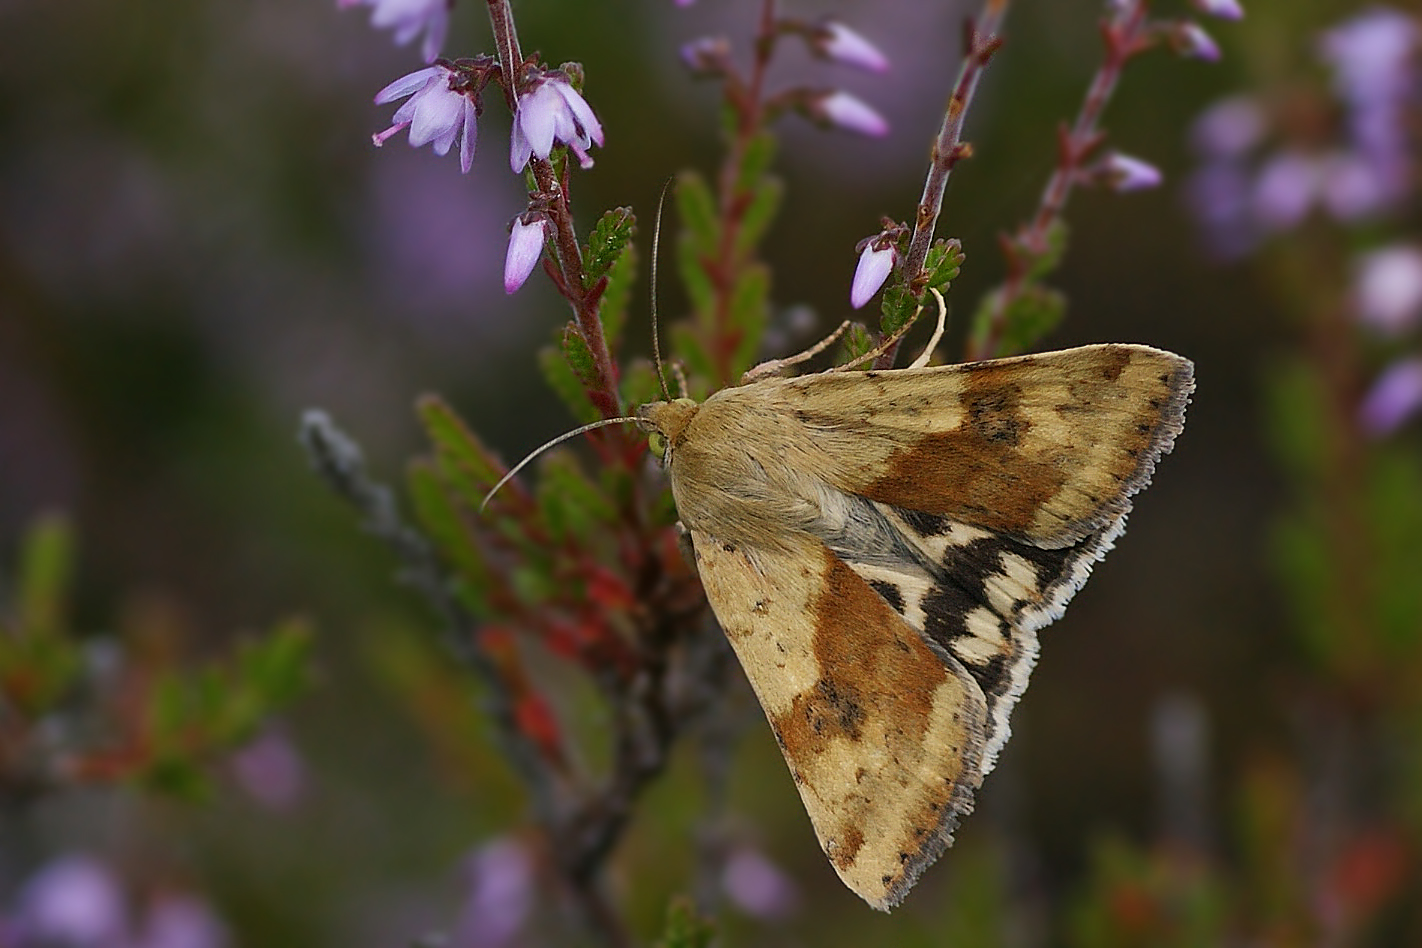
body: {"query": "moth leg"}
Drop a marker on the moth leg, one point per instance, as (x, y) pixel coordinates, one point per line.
(773, 366)
(927, 353)
(679, 373)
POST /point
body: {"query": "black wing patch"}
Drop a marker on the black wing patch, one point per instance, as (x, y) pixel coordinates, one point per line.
(974, 594)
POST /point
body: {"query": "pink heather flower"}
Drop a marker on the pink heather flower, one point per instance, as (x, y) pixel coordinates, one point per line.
(501, 877)
(435, 113)
(1123, 173)
(1191, 40)
(1387, 288)
(525, 250)
(408, 18)
(181, 921)
(270, 769)
(551, 112)
(1285, 189)
(1230, 128)
(874, 268)
(1395, 397)
(707, 56)
(834, 40)
(1224, 9)
(851, 113)
(758, 887)
(74, 900)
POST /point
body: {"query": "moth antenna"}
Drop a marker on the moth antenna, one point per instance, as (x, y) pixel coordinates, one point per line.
(550, 444)
(881, 347)
(927, 352)
(775, 365)
(656, 253)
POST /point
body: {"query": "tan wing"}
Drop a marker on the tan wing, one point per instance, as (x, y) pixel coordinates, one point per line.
(1046, 448)
(882, 734)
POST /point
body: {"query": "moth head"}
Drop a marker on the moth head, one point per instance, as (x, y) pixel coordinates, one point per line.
(664, 423)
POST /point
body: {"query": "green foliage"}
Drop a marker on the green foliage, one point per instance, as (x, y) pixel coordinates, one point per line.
(443, 522)
(1394, 517)
(457, 445)
(856, 342)
(610, 253)
(1033, 313)
(1042, 263)
(760, 212)
(1158, 898)
(700, 239)
(565, 384)
(38, 661)
(750, 303)
(685, 928)
(573, 507)
(192, 714)
(898, 305)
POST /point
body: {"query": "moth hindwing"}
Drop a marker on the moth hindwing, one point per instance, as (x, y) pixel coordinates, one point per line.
(881, 548)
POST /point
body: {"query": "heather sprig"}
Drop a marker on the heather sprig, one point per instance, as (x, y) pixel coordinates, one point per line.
(583, 563)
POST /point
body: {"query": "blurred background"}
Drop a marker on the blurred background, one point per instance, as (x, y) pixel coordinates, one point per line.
(198, 243)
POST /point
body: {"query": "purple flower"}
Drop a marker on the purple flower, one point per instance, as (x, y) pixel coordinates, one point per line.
(834, 40)
(435, 113)
(181, 921)
(500, 895)
(1286, 189)
(1372, 56)
(525, 249)
(271, 770)
(848, 112)
(1387, 288)
(759, 887)
(707, 56)
(1229, 129)
(1191, 40)
(74, 900)
(1394, 398)
(552, 111)
(1123, 173)
(875, 265)
(408, 18)
(1224, 9)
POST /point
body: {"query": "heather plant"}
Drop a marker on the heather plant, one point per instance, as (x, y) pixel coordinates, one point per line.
(581, 562)
(204, 231)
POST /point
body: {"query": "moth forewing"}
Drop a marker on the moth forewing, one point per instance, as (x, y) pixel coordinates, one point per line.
(880, 549)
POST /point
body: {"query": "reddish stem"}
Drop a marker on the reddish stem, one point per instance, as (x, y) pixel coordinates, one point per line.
(980, 43)
(1122, 35)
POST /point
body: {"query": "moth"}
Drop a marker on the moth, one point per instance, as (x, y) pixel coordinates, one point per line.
(881, 549)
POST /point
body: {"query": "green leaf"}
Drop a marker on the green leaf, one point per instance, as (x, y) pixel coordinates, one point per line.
(856, 341)
(944, 260)
(685, 928)
(1295, 401)
(565, 383)
(609, 238)
(756, 160)
(1035, 312)
(1042, 264)
(687, 346)
(696, 209)
(749, 305)
(640, 384)
(46, 562)
(572, 505)
(612, 311)
(453, 440)
(759, 214)
(898, 306)
(443, 522)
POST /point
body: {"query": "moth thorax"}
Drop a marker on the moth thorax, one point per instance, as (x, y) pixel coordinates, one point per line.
(668, 419)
